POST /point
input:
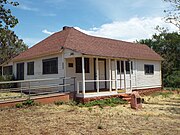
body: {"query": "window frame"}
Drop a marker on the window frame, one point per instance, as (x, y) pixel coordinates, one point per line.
(149, 67)
(11, 69)
(53, 66)
(29, 70)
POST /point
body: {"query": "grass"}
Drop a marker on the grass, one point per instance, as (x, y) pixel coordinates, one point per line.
(26, 103)
(163, 94)
(9, 95)
(161, 117)
(105, 102)
(171, 88)
(101, 103)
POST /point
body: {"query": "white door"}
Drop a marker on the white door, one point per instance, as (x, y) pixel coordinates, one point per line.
(101, 65)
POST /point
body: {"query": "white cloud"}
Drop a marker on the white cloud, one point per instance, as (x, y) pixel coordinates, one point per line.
(47, 32)
(130, 30)
(25, 7)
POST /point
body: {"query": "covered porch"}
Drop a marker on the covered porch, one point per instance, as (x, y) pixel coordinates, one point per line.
(99, 76)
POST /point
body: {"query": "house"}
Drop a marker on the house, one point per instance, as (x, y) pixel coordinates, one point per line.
(102, 66)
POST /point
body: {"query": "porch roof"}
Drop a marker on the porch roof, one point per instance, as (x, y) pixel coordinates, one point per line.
(77, 41)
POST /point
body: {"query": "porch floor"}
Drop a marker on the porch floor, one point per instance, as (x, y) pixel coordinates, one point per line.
(103, 90)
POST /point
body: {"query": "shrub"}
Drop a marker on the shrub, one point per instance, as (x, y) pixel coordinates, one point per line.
(28, 102)
(19, 105)
(7, 78)
(173, 80)
(59, 103)
(105, 102)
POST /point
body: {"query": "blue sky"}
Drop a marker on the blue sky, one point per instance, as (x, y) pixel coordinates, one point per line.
(119, 19)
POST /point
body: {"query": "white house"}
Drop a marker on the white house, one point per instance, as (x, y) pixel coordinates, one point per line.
(102, 66)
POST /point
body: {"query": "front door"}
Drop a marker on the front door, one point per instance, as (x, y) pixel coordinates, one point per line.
(20, 71)
(101, 64)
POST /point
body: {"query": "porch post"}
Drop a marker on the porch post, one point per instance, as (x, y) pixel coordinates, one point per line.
(110, 87)
(64, 80)
(97, 75)
(83, 76)
(130, 75)
(120, 73)
(124, 75)
(116, 74)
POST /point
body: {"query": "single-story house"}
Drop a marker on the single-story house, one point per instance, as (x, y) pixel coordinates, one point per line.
(103, 65)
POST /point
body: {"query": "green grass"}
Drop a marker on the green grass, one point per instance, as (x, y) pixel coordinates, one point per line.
(59, 102)
(101, 103)
(26, 103)
(171, 89)
(163, 94)
(105, 102)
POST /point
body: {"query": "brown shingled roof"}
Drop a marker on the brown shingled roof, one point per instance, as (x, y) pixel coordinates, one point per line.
(73, 39)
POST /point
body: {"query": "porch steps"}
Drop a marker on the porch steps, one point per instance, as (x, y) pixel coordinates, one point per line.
(126, 97)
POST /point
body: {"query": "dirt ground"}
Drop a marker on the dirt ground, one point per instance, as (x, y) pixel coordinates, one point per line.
(159, 116)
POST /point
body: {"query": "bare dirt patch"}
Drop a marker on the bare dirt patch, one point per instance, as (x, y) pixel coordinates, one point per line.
(159, 115)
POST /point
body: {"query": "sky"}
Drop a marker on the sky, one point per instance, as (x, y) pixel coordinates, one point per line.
(127, 20)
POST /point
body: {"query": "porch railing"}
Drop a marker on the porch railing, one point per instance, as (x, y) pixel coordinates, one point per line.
(97, 83)
(35, 87)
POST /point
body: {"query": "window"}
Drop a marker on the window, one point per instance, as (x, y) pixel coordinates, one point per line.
(118, 67)
(7, 70)
(50, 66)
(70, 64)
(149, 69)
(79, 65)
(30, 68)
(122, 67)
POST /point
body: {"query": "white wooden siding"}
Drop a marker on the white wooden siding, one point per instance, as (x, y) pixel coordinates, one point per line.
(139, 79)
(38, 70)
(148, 81)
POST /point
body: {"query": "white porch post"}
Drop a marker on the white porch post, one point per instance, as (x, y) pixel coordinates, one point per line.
(124, 75)
(64, 67)
(83, 76)
(116, 74)
(97, 75)
(120, 74)
(110, 87)
(130, 75)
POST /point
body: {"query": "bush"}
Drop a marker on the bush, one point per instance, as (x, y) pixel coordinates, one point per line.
(7, 78)
(172, 80)
(19, 105)
(28, 102)
(71, 103)
(105, 102)
(58, 102)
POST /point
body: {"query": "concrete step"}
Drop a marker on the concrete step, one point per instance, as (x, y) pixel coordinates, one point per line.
(124, 95)
(127, 98)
